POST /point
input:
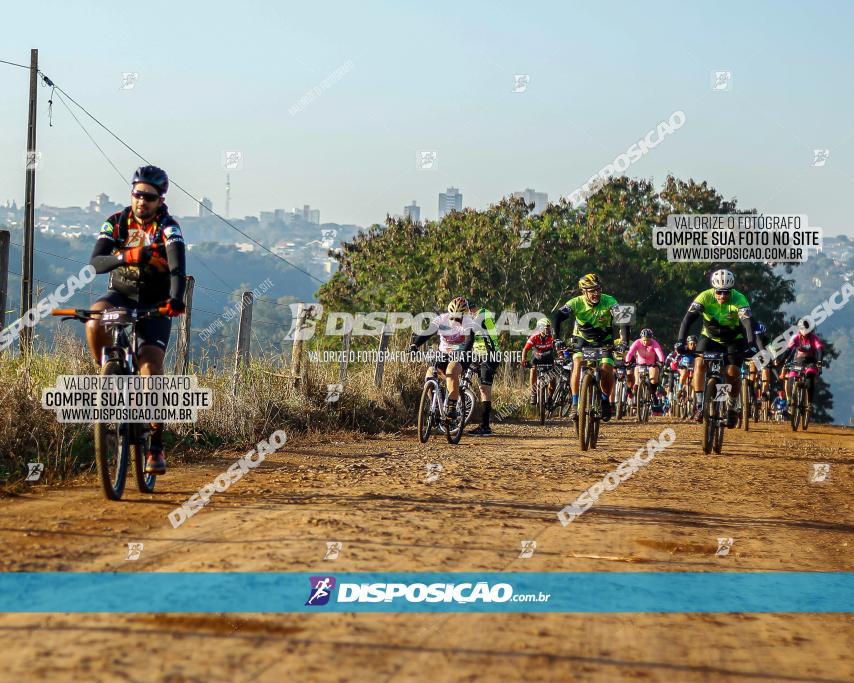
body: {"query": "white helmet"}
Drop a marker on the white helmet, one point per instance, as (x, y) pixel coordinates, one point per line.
(805, 325)
(723, 279)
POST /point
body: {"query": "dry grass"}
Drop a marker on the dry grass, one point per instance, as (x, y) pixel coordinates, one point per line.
(268, 398)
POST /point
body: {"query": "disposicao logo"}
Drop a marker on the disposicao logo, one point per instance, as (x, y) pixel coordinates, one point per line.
(321, 590)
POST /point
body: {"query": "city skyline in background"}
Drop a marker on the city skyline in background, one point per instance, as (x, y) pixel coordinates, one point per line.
(326, 118)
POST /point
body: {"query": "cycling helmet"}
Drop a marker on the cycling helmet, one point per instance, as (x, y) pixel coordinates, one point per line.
(151, 175)
(691, 338)
(805, 325)
(590, 281)
(458, 305)
(723, 279)
(646, 332)
(543, 323)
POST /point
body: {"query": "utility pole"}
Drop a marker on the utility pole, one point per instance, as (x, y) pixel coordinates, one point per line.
(29, 205)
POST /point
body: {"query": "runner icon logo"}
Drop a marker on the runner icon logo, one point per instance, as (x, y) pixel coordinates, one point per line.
(333, 549)
(820, 470)
(321, 590)
(723, 392)
(528, 548)
(724, 546)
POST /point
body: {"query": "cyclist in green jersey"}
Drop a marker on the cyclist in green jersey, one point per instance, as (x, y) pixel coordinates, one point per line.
(727, 327)
(486, 354)
(594, 322)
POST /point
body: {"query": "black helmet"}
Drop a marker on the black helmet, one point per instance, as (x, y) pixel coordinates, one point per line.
(151, 175)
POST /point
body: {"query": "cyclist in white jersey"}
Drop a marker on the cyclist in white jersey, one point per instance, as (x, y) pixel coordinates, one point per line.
(456, 330)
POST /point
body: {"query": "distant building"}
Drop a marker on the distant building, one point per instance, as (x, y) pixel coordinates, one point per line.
(412, 211)
(103, 206)
(205, 206)
(314, 216)
(540, 200)
(449, 201)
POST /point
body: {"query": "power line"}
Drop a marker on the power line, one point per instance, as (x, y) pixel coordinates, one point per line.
(83, 128)
(23, 66)
(195, 199)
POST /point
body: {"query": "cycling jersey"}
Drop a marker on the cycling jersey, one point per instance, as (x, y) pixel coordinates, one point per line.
(160, 278)
(646, 355)
(805, 348)
(593, 323)
(540, 344)
(454, 335)
(721, 322)
(672, 361)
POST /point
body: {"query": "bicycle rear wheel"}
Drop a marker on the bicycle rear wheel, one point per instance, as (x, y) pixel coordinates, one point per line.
(139, 449)
(112, 446)
(472, 400)
(454, 429)
(425, 413)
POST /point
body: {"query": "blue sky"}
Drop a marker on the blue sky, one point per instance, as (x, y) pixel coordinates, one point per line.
(219, 76)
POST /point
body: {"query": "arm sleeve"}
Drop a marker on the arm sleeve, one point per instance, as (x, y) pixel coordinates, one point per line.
(747, 325)
(558, 317)
(687, 321)
(176, 256)
(631, 354)
(659, 353)
(102, 259)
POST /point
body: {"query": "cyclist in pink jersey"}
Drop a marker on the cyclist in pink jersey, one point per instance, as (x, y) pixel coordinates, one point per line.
(647, 351)
(806, 349)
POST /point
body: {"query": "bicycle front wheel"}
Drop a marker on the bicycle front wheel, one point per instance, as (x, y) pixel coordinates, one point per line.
(425, 413)
(709, 415)
(542, 393)
(112, 446)
(454, 429)
(746, 403)
(795, 410)
(806, 408)
(585, 411)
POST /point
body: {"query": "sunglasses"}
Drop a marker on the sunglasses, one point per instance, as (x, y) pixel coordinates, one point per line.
(723, 292)
(147, 196)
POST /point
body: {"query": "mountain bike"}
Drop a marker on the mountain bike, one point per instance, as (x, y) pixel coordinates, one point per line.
(747, 397)
(433, 407)
(714, 411)
(560, 404)
(118, 442)
(590, 397)
(644, 393)
(800, 408)
(545, 375)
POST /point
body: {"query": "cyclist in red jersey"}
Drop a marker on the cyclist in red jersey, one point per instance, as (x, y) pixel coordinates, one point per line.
(542, 343)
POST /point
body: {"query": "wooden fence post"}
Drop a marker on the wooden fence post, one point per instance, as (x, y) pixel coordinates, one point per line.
(296, 349)
(243, 337)
(182, 349)
(4, 275)
(378, 372)
(345, 357)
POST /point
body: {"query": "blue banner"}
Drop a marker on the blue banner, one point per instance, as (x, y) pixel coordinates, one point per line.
(428, 592)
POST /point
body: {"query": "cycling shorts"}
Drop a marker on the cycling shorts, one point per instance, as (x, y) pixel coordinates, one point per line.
(486, 372)
(733, 351)
(150, 332)
(581, 343)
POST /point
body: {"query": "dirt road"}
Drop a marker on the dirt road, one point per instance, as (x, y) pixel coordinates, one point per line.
(490, 495)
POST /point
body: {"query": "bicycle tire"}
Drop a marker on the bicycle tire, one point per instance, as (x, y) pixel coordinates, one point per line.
(805, 410)
(472, 400)
(139, 449)
(112, 440)
(618, 399)
(709, 415)
(454, 434)
(585, 401)
(425, 413)
(542, 393)
(595, 418)
(795, 410)
(746, 403)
